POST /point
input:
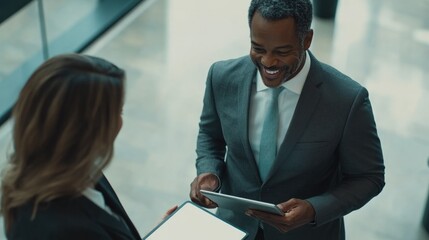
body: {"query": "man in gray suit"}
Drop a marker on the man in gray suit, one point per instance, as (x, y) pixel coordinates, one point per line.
(327, 157)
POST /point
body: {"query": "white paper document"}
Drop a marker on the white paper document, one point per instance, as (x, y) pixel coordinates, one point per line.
(192, 222)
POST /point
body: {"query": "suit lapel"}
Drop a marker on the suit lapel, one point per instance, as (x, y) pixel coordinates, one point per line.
(110, 196)
(112, 225)
(113, 202)
(248, 74)
(306, 105)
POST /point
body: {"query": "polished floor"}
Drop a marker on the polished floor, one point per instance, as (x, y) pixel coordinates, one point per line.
(166, 47)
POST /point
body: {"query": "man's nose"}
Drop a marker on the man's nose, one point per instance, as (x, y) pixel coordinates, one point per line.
(268, 60)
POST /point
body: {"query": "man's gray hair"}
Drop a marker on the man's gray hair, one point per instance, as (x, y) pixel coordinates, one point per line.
(300, 10)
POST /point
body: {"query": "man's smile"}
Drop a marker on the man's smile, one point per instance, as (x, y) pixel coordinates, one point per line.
(271, 72)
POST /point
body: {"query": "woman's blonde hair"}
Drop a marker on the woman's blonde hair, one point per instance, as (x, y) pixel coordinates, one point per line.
(66, 119)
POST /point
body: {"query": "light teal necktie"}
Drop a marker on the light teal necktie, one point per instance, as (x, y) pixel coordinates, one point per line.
(268, 145)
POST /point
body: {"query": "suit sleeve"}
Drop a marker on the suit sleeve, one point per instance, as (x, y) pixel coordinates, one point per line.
(361, 165)
(211, 146)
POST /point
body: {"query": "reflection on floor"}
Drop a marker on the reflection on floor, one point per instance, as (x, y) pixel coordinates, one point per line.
(167, 47)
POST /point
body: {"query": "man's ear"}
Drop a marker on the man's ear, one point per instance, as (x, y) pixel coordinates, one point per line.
(308, 39)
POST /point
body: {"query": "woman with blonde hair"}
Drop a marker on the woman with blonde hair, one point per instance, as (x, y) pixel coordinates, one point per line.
(66, 119)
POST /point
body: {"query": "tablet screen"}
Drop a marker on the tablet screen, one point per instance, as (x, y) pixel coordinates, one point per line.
(239, 204)
(192, 222)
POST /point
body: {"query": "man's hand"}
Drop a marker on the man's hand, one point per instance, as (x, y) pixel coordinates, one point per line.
(298, 212)
(206, 181)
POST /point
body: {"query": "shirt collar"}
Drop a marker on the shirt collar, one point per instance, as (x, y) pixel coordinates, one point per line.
(95, 196)
(294, 84)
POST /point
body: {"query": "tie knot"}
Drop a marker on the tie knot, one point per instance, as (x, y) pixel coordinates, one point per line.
(276, 92)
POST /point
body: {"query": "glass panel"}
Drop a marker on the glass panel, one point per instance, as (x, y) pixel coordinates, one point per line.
(62, 15)
(20, 50)
(20, 38)
(70, 27)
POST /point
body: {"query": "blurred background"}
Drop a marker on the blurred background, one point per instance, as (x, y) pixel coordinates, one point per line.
(166, 48)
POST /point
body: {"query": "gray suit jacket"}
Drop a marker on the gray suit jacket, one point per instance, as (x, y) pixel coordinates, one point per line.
(331, 155)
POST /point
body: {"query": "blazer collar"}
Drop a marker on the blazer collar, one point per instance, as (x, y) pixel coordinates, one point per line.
(111, 224)
(248, 74)
(115, 205)
(306, 105)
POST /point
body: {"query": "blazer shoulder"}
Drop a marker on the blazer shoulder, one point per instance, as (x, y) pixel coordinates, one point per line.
(59, 219)
(333, 81)
(232, 71)
(232, 64)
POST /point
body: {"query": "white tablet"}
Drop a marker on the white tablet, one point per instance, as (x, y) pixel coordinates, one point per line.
(239, 204)
(192, 222)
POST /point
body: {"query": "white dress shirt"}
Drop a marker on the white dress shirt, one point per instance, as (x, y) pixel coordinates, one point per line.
(288, 100)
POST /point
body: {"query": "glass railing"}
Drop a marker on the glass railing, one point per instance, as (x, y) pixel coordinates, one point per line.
(40, 29)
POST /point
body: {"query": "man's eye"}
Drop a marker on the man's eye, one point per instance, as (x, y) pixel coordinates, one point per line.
(283, 53)
(258, 50)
